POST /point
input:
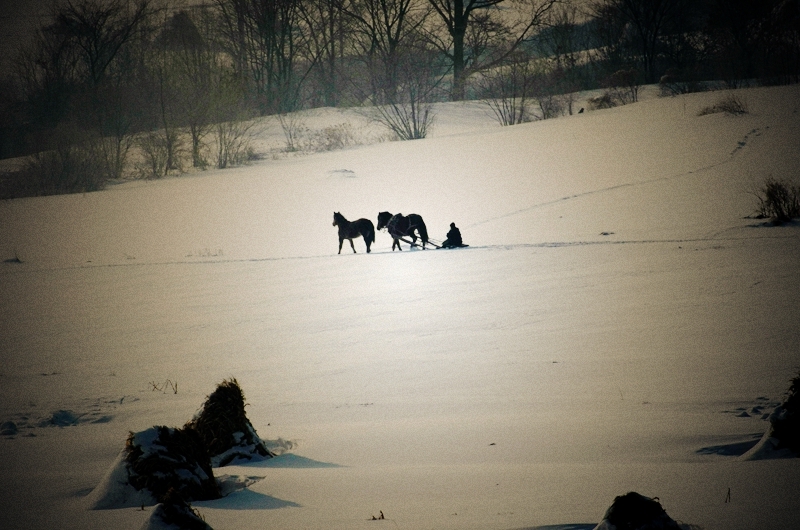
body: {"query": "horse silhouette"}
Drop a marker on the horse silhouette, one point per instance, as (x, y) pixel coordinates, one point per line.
(349, 230)
(399, 226)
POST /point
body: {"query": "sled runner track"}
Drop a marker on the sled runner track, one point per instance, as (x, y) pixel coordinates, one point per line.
(13, 269)
(598, 191)
(565, 244)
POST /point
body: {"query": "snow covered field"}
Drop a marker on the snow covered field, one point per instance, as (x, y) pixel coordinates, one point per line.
(615, 314)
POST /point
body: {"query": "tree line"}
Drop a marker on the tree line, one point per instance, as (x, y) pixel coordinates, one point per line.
(102, 71)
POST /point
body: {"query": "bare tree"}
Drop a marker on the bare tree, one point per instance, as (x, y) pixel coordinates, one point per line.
(262, 38)
(640, 25)
(163, 144)
(496, 33)
(324, 26)
(196, 69)
(74, 81)
(559, 43)
(70, 58)
(383, 30)
(47, 75)
(99, 29)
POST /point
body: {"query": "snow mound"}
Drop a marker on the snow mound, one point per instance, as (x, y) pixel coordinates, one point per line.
(154, 462)
(174, 514)
(225, 430)
(782, 439)
(69, 418)
(8, 428)
(114, 490)
(766, 448)
(634, 511)
(161, 459)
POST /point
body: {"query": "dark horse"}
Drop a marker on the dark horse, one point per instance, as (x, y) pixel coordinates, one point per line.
(399, 226)
(358, 228)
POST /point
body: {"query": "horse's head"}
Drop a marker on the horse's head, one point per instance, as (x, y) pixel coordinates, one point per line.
(383, 218)
(337, 217)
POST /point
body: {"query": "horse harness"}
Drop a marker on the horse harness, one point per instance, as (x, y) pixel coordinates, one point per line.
(394, 230)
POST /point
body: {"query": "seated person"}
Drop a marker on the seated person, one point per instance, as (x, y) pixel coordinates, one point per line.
(453, 237)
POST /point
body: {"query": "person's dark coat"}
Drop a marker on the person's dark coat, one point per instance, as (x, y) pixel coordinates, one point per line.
(453, 237)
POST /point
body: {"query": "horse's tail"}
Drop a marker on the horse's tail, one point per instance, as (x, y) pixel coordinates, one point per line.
(423, 230)
(369, 236)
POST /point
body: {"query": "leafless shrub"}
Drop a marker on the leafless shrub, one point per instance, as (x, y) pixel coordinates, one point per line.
(159, 150)
(114, 152)
(622, 88)
(507, 92)
(17, 183)
(332, 138)
(552, 105)
(675, 83)
(408, 109)
(233, 142)
(408, 121)
(509, 110)
(603, 101)
(72, 167)
(293, 129)
(778, 200)
(730, 104)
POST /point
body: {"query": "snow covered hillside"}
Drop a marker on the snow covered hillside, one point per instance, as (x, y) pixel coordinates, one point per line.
(619, 323)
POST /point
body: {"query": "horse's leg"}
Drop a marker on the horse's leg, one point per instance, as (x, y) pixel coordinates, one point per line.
(341, 240)
(352, 246)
